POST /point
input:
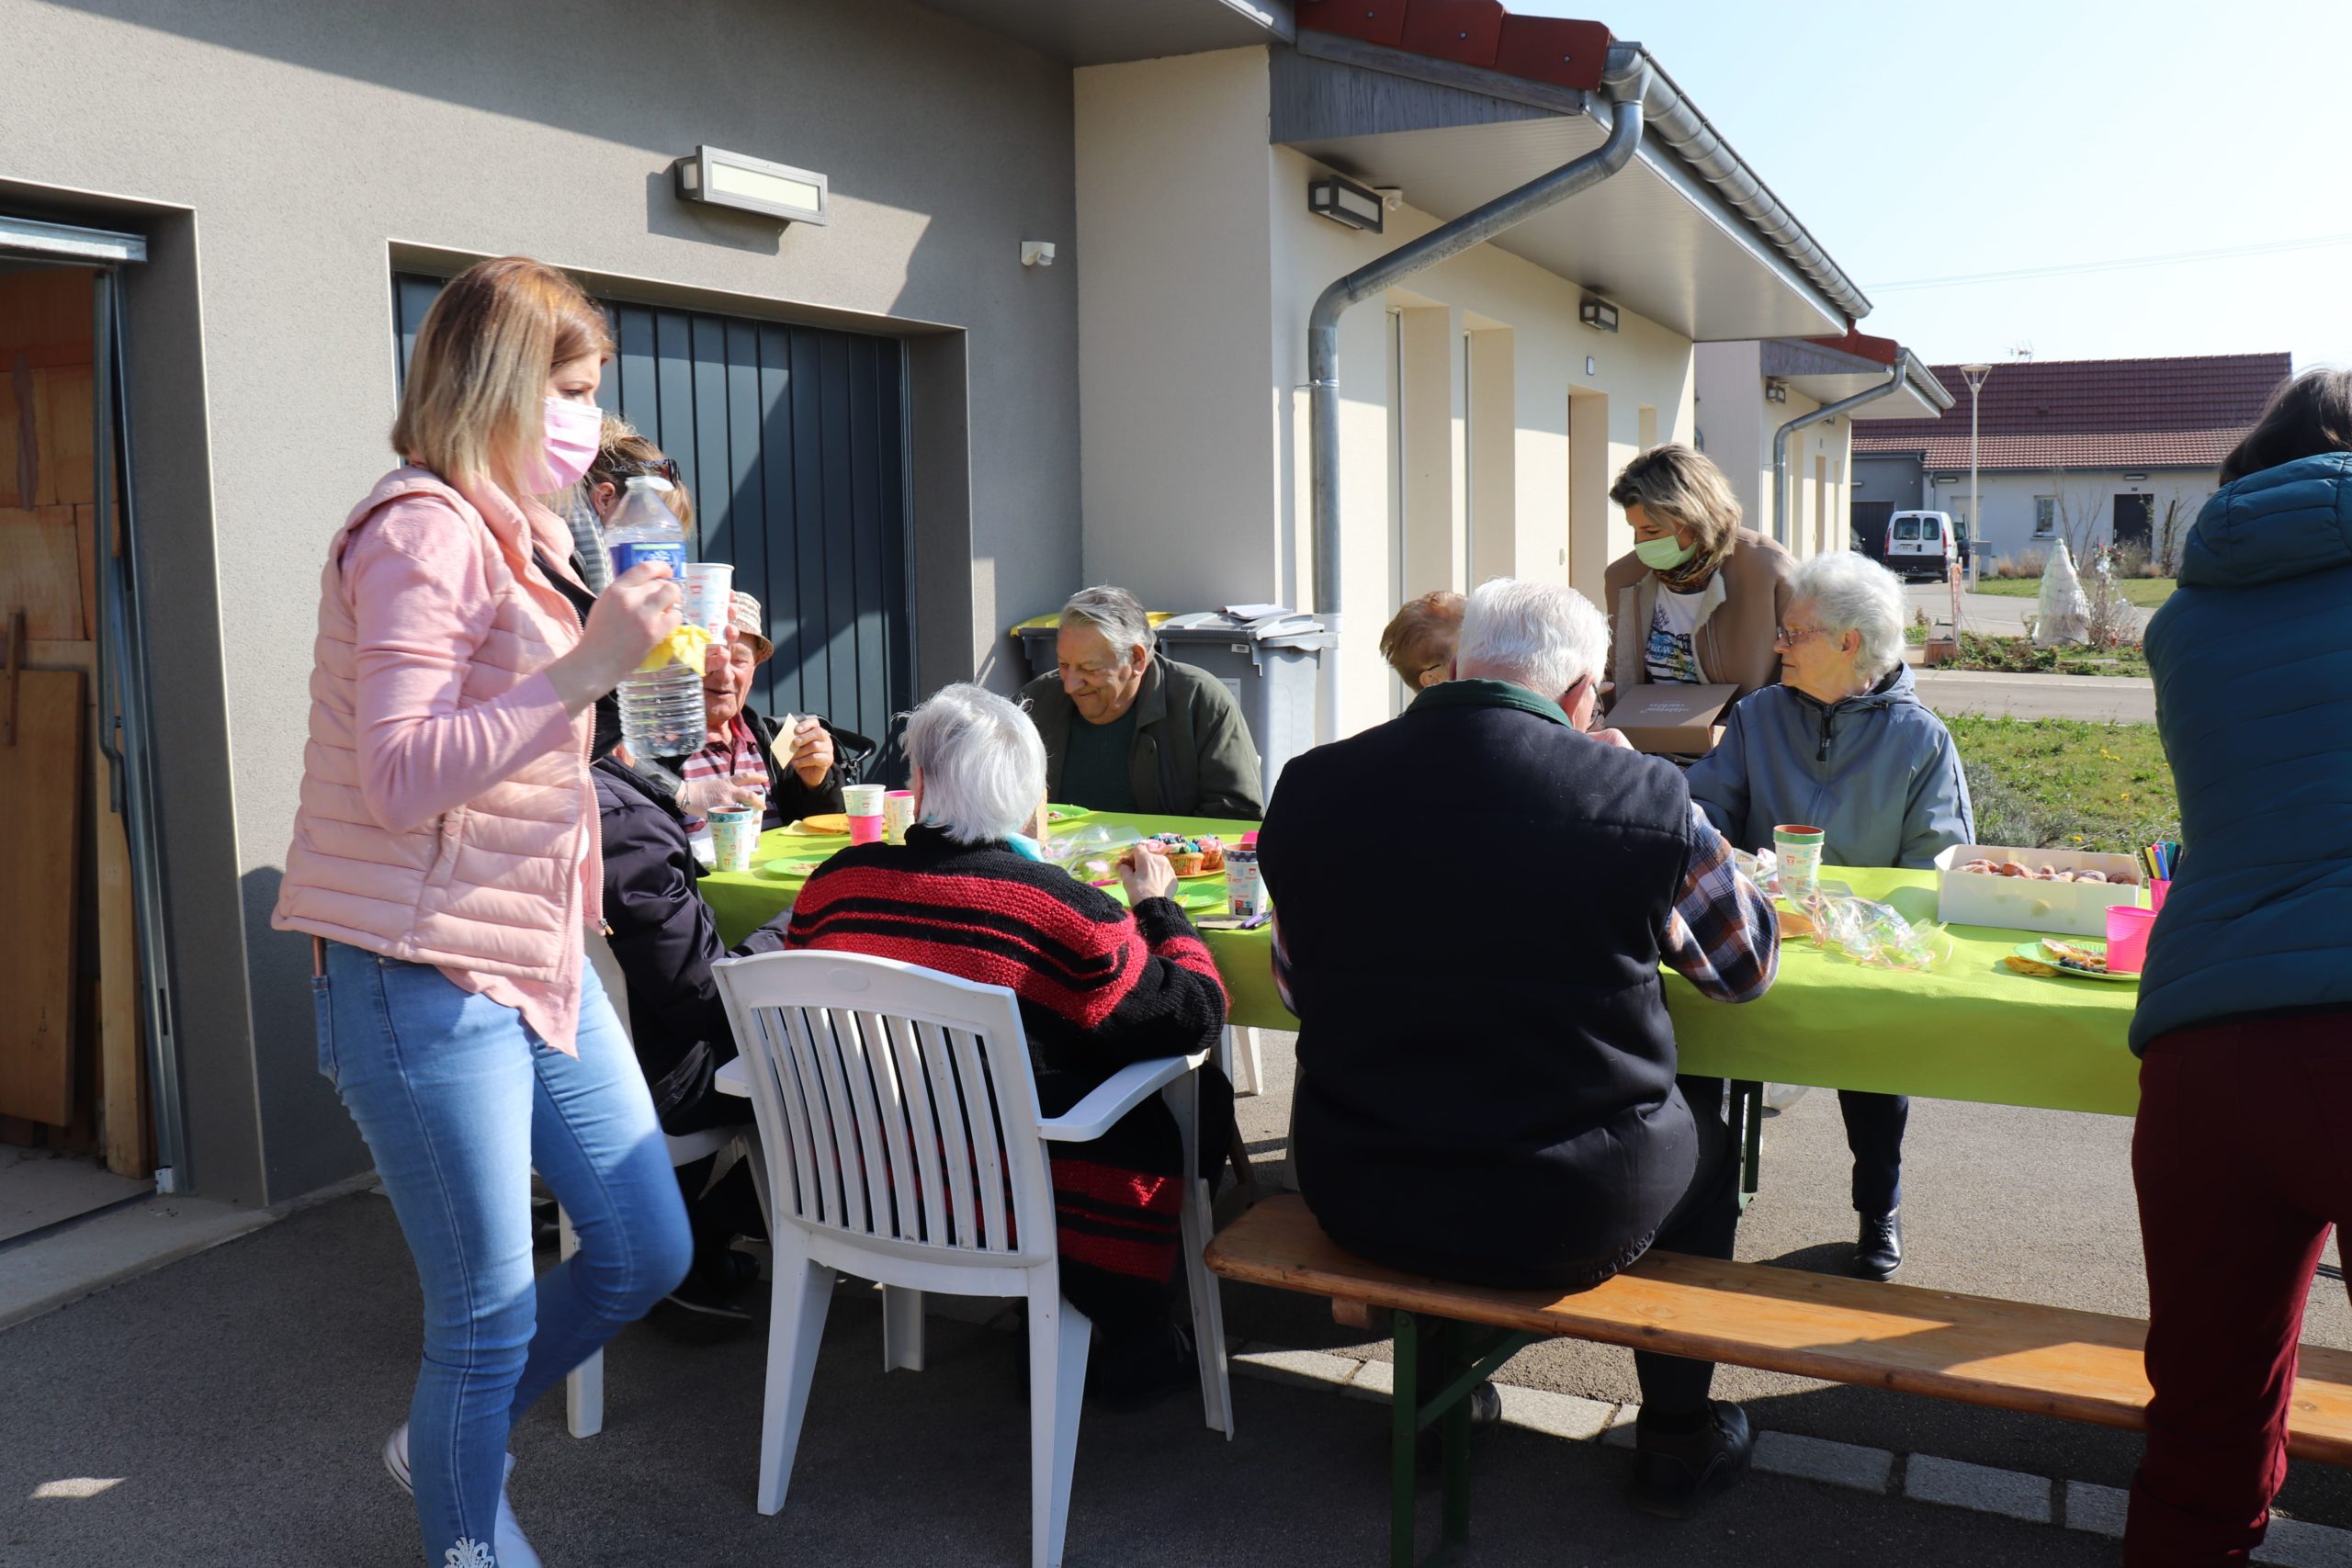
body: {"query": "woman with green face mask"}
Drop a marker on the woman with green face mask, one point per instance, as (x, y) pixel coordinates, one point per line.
(1699, 598)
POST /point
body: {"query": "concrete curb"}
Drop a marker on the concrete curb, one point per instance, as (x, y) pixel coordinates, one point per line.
(1926, 1478)
(66, 1262)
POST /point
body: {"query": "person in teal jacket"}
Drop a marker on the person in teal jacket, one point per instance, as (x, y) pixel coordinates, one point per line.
(2244, 1021)
(1845, 745)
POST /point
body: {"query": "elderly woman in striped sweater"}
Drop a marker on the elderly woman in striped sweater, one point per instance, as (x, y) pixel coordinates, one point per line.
(1099, 985)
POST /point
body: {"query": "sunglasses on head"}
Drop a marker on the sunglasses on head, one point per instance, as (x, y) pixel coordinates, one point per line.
(633, 467)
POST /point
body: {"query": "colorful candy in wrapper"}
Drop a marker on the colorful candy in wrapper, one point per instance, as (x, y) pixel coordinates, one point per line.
(1875, 934)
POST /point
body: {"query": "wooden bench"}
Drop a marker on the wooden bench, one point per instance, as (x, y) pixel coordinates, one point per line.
(2083, 1366)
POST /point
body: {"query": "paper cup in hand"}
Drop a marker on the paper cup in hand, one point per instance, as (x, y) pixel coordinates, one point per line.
(1798, 848)
(733, 832)
(864, 804)
(709, 593)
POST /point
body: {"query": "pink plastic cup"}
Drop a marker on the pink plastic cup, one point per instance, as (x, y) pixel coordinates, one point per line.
(2127, 938)
(2156, 891)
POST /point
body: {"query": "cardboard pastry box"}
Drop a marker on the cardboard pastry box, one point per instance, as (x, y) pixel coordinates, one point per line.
(1668, 718)
(2065, 908)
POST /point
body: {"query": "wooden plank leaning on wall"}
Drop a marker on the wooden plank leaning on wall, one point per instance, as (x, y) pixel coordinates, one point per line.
(50, 537)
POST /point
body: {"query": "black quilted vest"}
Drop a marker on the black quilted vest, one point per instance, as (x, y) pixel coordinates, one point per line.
(1470, 897)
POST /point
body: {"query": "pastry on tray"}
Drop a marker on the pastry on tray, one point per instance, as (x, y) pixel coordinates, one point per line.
(2045, 872)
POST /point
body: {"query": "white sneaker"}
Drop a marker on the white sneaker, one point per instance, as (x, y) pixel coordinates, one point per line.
(506, 1536)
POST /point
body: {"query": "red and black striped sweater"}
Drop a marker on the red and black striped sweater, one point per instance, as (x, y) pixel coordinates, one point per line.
(1099, 987)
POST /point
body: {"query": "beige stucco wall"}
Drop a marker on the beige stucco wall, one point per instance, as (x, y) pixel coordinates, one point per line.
(1739, 423)
(1194, 447)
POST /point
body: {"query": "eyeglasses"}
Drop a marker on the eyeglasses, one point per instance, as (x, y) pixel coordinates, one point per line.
(1789, 636)
(633, 467)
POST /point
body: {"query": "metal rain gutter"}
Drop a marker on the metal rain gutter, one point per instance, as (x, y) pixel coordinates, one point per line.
(1683, 129)
(1623, 81)
(1904, 361)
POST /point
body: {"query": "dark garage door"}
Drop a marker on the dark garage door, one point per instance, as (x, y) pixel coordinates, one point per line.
(793, 440)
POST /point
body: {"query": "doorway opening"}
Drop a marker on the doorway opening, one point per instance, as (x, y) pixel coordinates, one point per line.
(85, 1057)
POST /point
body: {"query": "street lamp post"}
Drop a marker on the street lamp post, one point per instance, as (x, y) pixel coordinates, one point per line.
(1975, 375)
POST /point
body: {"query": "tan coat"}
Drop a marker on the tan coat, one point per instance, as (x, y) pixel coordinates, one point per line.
(1735, 644)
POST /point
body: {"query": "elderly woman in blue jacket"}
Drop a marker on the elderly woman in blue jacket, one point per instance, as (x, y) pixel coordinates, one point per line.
(2244, 1021)
(1843, 744)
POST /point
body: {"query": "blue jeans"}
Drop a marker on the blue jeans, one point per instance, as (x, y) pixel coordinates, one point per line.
(459, 1100)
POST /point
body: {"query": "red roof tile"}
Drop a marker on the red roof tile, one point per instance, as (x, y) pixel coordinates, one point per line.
(1473, 32)
(2093, 413)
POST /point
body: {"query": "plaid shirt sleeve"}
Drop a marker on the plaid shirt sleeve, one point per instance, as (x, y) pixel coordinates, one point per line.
(1282, 970)
(1721, 934)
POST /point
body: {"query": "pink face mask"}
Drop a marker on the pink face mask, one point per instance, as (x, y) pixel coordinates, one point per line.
(574, 430)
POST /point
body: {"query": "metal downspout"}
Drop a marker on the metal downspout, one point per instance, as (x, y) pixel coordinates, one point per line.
(1781, 500)
(1622, 82)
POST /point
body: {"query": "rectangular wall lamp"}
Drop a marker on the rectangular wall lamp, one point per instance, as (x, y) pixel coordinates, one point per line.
(1775, 389)
(751, 185)
(1598, 314)
(1344, 202)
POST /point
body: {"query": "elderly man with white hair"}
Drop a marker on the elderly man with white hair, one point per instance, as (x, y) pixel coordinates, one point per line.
(1844, 744)
(1128, 728)
(1489, 1090)
(1098, 987)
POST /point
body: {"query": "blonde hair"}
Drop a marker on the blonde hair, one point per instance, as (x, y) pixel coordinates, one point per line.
(473, 408)
(1681, 488)
(1423, 635)
(622, 454)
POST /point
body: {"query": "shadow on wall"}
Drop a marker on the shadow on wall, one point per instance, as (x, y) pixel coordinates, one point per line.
(665, 214)
(308, 1139)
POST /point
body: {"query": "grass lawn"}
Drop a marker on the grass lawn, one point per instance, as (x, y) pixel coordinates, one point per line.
(2067, 783)
(2146, 591)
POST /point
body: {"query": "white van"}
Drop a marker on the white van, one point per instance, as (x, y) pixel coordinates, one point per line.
(1920, 543)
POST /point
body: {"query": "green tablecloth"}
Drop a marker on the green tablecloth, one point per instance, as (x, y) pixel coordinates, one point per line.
(1973, 1032)
(746, 899)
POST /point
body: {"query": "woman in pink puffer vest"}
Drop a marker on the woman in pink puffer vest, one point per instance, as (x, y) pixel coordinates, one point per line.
(445, 862)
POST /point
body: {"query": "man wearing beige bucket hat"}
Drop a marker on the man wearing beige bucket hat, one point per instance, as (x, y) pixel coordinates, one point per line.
(797, 764)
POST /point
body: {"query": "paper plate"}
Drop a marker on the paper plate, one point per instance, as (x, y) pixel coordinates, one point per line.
(833, 823)
(2033, 949)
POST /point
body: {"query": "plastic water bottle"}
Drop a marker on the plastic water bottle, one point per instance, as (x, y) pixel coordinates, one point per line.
(662, 710)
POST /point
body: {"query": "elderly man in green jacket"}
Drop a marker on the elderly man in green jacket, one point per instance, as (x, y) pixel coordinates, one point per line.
(1127, 728)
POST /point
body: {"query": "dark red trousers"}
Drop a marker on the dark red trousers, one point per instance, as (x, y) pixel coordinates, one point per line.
(2239, 1158)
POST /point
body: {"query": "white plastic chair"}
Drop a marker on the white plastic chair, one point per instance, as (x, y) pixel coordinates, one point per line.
(584, 1386)
(898, 1116)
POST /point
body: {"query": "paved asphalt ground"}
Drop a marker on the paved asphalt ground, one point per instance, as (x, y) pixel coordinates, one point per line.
(234, 1403)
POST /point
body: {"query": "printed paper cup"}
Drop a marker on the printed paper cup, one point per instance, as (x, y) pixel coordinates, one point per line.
(1798, 850)
(734, 830)
(898, 815)
(864, 804)
(709, 593)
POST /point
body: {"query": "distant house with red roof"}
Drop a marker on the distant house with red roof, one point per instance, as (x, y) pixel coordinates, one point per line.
(2087, 449)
